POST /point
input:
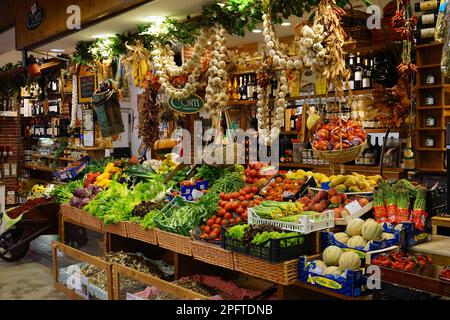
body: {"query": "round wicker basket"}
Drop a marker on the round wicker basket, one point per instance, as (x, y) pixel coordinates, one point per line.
(340, 156)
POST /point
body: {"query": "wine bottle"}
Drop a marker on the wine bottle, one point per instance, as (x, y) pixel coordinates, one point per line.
(427, 19)
(426, 5)
(424, 33)
(369, 153)
(250, 87)
(245, 88)
(358, 73)
(367, 77)
(235, 89)
(378, 149)
(240, 88)
(293, 121)
(351, 66)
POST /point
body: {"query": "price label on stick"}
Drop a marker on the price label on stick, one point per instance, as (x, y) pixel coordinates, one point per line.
(353, 207)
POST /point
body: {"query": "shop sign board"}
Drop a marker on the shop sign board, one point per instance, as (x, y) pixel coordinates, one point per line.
(87, 84)
(190, 105)
(35, 16)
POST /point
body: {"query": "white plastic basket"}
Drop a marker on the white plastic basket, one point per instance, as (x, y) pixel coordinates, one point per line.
(305, 224)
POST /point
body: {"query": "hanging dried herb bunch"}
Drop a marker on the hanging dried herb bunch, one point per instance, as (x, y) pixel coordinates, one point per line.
(329, 15)
(149, 110)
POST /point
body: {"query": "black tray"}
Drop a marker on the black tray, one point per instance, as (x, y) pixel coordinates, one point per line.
(272, 251)
(311, 182)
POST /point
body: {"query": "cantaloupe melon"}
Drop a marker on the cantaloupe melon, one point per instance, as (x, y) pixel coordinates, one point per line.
(371, 230)
(341, 237)
(356, 241)
(354, 227)
(331, 270)
(349, 261)
(331, 255)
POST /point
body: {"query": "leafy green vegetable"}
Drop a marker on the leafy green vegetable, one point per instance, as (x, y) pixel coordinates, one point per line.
(63, 192)
(237, 232)
(230, 182)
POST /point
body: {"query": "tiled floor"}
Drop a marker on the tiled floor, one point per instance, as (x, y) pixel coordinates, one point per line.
(30, 278)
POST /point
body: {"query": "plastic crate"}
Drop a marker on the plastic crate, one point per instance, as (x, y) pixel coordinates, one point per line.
(274, 250)
(437, 202)
(177, 202)
(306, 224)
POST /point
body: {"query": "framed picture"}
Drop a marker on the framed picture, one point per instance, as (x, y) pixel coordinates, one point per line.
(88, 119)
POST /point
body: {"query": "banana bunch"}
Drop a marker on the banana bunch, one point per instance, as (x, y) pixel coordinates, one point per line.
(137, 63)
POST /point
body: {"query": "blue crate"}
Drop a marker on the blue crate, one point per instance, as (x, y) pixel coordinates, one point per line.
(72, 173)
(415, 236)
(202, 185)
(351, 285)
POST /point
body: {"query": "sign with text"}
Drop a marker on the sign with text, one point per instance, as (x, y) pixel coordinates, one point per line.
(35, 17)
(192, 104)
(87, 83)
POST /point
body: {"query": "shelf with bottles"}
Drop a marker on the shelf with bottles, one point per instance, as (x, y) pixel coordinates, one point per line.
(37, 167)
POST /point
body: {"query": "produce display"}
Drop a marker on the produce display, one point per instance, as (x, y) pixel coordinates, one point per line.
(64, 192)
(402, 261)
(392, 204)
(282, 211)
(338, 134)
(254, 174)
(281, 187)
(445, 274)
(335, 262)
(82, 196)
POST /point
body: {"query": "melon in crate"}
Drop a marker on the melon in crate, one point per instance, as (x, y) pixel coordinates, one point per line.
(349, 261)
(387, 236)
(341, 237)
(331, 255)
(356, 241)
(354, 227)
(371, 230)
(332, 270)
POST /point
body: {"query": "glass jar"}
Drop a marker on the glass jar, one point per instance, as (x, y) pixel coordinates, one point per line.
(430, 79)
(429, 100)
(431, 121)
(429, 142)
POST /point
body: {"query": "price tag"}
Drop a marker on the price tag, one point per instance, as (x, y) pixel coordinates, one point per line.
(353, 207)
(197, 194)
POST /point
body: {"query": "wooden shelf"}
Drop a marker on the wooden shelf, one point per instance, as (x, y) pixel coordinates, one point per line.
(434, 86)
(86, 148)
(431, 149)
(430, 108)
(382, 130)
(431, 129)
(37, 168)
(52, 158)
(432, 170)
(429, 66)
(428, 45)
(336, 166)
(289, 133)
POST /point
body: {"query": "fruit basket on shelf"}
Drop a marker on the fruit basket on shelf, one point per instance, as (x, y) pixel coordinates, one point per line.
(339, 141)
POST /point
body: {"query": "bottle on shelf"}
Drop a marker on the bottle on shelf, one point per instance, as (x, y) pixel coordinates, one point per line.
(369, 153)
(250, 87)
(240, 88)
(427, 19)
(430, 79)
(351, 66)
(274, 86)
(367, 75)
(230, 89)
(244, 88)
(426, 5)
(429, 99)
(424, 34)
(293, 121)
(378, 149)
(235, 93)
(409, 157)
(358, 73)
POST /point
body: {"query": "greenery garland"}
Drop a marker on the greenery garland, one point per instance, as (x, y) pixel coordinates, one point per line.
(234, 15)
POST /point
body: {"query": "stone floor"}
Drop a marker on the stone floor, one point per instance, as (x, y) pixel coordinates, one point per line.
(30, 278)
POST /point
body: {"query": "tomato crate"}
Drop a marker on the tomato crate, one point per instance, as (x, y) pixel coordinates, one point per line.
(305, 224)
(273, 250)
(309, 183)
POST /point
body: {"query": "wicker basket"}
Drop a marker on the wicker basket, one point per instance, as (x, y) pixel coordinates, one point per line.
(137, 232)
(91, 222)
(212, 254)
(174, 242)
(284, 273)
(116, 228)
(340, 156)
(71, 213)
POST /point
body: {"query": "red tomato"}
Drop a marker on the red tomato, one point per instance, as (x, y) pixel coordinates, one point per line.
(247, 189)
(242, 193)
(226, 197)
(219, 221)
(235, 205)
(238, 220)
(204, 236)
(207, 229)
(244, 216)
(244, 204)
(254, 189)
(215, 226)
(211, 222)
(213, 235)
(202, 228)
(225, 222)
(249, 197)
(218, 231)
(251, 204)
(214, 217)
(222, 196)
(235, 195)
(228, 216)
(241, 198)
(222, 203)
(232, 221)
(228, 207)
(221, 212)
(240, 211)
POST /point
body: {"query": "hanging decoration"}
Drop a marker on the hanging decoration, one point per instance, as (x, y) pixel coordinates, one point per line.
(74, 110)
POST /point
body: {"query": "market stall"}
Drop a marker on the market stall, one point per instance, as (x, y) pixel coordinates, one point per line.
(312, 162)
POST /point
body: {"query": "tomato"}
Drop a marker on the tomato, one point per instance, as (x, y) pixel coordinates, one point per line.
(227, 216)
(204, 236)
(244, 204)
(235, 205)
(246, 190)
(222, 203)
(253, 173)
(238, 220)
(242, 193)
(251, 204)
(254, 189)
(222, 196)
(202, 228)
(258, 201)
(242, 198)
(215, 226)
(249, 196)
(232, 221)
(225, 222)
(218, 231)
(244, 216)
(249, 180)
(410, 266)
(227, 197)
(386, 263)
(235, 195)
(228, 207)
(213, 235)
(221, 212)
(207, 229)
(219, 221)
(211, 222)
(214, 217)
(240, 211)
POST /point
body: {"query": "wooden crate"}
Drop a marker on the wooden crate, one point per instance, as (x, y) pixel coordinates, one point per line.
(174, 242)
(137, 232)
(116, 228)
(212, 254)
(71, 213)
(284, 273)
(168, 287)
(81, 257)
(91, 222)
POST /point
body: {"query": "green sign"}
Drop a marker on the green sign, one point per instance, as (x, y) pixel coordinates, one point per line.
(193, 104)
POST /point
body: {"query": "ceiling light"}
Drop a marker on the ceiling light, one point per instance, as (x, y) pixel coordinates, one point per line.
(57, 50)
(155, 19)
(102, 36)
(286, 23)
(257, 30)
